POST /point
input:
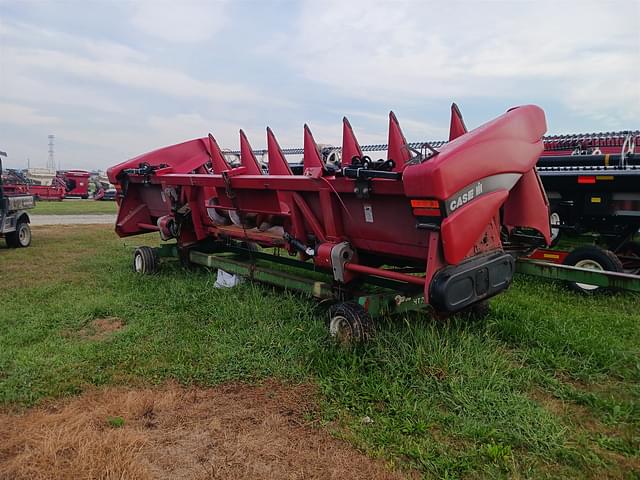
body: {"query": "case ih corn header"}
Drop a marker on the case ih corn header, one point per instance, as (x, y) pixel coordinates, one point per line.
(439, 227)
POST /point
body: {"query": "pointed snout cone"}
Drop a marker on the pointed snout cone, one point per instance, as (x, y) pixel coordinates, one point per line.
(312, 158)
(247, 158)
(457, 126)
(350, 146)
(218, 162)
(278, 164)
(397, 147)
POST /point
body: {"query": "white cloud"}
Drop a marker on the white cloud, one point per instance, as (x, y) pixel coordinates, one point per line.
(185, 21)
(24, 33)
(34, 59)
(402, 49)
(127, 73)
(14, 114)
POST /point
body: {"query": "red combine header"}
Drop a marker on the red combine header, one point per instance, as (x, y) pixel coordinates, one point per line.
(446, 220)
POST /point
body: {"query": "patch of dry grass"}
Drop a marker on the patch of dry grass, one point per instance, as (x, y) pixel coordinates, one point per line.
(233, 431)
(99, 328)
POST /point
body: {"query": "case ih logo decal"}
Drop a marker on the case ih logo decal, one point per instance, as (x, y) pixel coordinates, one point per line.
(465, 197)
(504, 181)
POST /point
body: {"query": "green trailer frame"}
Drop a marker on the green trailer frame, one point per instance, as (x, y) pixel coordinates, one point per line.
(378, 296)
(554, 271)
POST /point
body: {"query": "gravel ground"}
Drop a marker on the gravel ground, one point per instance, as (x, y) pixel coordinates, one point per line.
(71, 219)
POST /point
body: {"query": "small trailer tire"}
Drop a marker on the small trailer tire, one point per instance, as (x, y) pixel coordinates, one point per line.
(146, 260)
(21, 237)
(349, 324)
(594, 258)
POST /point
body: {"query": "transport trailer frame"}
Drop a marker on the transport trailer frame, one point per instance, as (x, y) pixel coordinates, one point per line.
(609, 271)
(353, 312)
(544, 263)
(579, 276)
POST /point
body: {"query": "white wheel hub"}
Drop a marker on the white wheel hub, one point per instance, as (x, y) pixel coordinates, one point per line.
(23, 235)
(554, 220)
(138, 263)
(590, 265)
(339, 328)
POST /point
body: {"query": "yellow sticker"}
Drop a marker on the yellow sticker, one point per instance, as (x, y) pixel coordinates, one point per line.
(596, 200)
(604, 177)
(551, 255)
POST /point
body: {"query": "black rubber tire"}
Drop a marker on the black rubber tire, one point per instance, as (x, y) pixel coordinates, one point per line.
(595, 256)
(21, 237)
(630, 249)
(349, 324)
(554, 216)
(146, 260)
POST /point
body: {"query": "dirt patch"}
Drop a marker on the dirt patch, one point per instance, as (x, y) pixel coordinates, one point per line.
(577, 414)
(231, 432)
(581, 418)
(100, 328)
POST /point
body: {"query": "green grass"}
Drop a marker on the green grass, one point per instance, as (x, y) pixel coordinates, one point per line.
(546, 387)
(75, 207)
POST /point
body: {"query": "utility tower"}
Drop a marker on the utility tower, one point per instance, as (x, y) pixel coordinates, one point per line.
(51, 163)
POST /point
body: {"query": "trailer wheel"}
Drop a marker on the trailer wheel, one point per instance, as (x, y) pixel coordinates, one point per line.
(555, 221)
(145, 260)
(349, 324)
(594, 258)
(630, 264)
(21, 237)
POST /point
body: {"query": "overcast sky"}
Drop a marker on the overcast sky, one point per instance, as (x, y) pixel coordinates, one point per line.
(115, 79)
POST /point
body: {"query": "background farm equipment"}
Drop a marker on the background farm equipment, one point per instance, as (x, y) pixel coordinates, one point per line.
(75, 182)
(101, 189)
(442, 225)
(64, 184)
(593, 185)
(14, 220)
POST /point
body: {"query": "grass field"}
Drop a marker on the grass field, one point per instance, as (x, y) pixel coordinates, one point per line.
(74, 207)
(547, 387)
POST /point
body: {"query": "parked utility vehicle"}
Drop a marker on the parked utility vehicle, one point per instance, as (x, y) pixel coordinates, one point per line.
(14, 220)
